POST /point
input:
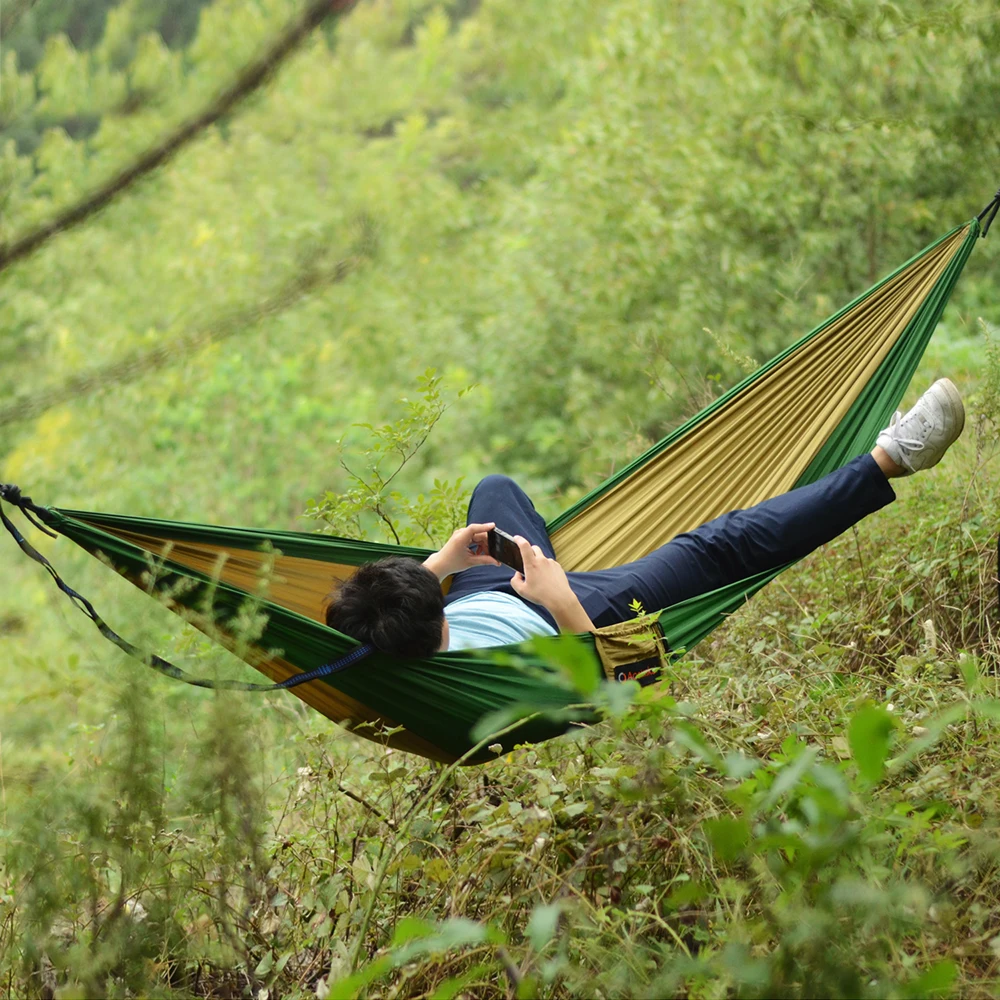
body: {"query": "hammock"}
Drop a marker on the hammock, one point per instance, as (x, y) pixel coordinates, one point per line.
(830, 393)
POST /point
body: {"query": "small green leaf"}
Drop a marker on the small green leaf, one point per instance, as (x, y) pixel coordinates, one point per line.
(574, 659)
(265, 965)
(728, 836)
(989, 708)
(411, 929)
(937, 981)
(690, 737)
(970, 672)
(349, 987)
(738, 766)
(868, 736)
(685, 894)
(449, 935)
(543, 925)
(935, 728)
(450, 988)
(788, 776)
(527, 988)
(494, 722)
(72, 991)
(617, 699)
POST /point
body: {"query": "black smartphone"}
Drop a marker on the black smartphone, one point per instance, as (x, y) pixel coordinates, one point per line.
(504, 549)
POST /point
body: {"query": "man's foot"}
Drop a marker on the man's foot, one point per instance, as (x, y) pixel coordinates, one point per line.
(918, 439)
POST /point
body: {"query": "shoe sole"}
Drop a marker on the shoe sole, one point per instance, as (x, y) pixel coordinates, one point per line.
(954, 398)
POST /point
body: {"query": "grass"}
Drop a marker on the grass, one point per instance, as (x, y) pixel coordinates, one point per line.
(808, 808)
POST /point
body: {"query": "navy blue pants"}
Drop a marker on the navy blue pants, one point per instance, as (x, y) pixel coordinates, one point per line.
(729, 548)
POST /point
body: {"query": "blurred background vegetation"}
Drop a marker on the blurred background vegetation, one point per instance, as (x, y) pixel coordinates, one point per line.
(593, 211)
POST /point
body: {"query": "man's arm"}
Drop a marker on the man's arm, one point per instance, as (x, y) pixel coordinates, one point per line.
(544, 582)
(571, 617)
(466, 548)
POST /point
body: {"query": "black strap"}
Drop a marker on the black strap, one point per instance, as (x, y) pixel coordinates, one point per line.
(988, 214)
(31, 511)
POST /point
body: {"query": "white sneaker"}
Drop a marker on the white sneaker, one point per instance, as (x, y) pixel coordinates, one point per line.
(919, 438)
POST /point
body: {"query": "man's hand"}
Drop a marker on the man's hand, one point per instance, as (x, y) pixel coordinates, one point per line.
(466, 548)
(544, 582)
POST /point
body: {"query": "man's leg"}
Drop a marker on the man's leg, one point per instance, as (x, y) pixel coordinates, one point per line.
(737, 545)
(499, 499)
(743, 543)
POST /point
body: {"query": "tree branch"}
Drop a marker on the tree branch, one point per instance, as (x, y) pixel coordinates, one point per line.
(252, 77)
(372, 809)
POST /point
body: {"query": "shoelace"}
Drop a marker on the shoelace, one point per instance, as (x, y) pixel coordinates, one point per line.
(910, 445)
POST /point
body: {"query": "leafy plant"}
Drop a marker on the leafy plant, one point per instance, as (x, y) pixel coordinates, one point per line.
(372, 496)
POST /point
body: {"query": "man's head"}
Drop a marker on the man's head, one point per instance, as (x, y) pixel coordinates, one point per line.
(395, 604)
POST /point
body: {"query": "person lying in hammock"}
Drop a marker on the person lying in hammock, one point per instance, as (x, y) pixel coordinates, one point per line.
(396, 603)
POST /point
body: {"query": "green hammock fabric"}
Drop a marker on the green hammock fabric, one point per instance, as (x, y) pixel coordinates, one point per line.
(829, 394)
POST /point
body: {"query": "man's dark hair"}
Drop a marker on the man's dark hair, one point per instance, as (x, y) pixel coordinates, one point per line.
(395, 604)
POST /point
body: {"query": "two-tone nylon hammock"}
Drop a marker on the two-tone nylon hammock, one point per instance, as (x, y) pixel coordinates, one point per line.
(810, 410)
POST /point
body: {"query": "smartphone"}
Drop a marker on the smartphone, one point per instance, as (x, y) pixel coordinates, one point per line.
(504, 549)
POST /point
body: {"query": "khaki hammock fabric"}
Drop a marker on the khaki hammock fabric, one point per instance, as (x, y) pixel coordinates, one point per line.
(300, 585)
(774, 427)
(808, 411)
(760, 444)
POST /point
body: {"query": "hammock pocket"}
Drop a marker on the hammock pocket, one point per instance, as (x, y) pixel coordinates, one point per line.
(805, 413)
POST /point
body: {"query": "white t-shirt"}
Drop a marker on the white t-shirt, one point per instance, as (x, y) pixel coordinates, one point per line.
(492, 618)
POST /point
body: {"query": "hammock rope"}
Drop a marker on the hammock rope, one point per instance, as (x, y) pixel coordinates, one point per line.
(830, 393)
(35, 514)
(988, 214)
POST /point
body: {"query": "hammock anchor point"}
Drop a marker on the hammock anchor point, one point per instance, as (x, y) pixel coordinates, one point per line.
(13, 495)
(988, 214)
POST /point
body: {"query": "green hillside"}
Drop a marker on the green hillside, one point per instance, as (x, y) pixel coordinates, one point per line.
(598, 215)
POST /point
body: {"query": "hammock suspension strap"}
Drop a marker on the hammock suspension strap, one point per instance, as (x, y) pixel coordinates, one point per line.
(988, 214)
(36, 514)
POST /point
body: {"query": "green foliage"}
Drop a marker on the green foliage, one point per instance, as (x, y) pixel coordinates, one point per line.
(869, 738)
(749, 831)
(644, 199)
(84, 22)
(403, 519)
(87, 59)
(567, 197)
(988, 408)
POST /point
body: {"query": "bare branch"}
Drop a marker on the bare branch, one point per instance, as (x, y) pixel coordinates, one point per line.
(363, 802)
(252, 77)
(407, 455)
(380, 510)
